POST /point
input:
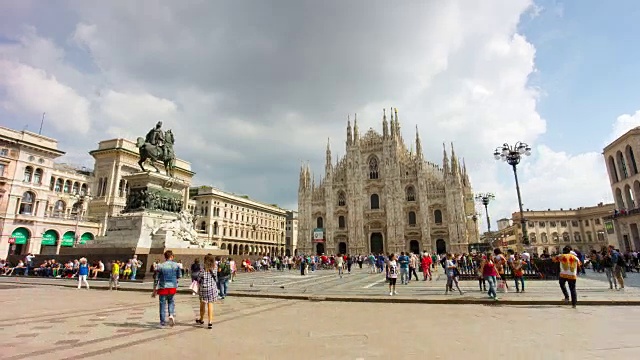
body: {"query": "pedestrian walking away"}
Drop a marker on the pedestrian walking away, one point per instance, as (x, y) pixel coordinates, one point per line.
(165, 286)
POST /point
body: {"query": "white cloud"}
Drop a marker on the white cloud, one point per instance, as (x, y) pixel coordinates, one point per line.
(624, 123)
(248, 103)
(30, 92)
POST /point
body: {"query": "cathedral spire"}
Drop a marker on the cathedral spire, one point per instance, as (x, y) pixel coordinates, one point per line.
(397, 122)
(393, 124)
(385, 125)
(465, 176)
(455, 168)
(349, 136)
(356, 137)
(329, 151)
(418, 144)
(445, 160)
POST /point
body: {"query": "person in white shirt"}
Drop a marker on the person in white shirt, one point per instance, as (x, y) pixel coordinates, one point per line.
(340, 264)
(392, 274)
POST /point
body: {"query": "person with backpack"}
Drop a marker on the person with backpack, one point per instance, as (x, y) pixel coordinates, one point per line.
(618, 265)
(607, 264)
(224, 274)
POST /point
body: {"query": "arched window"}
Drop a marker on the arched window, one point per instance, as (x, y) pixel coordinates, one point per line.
(555, 237)
(623, 165)
(341, 222)
(576, 236)
(203, 226)
(58, 208)
(600, 235)
(58, 187)
(37, 176)
(52, 183)
(631, 159)
(411, 193)
(412, 218)
(437, 216)
(76, 188)
(613, 171)
(28, 174)
(67, 186)
(543, 238)
(342, 199)
(320, 222)
(215, 228)
(589, 236)
(83, 189)
(566, 237)
(375, 201)
(77, 209)
(27, 203)
(532, 237)
(373, 168)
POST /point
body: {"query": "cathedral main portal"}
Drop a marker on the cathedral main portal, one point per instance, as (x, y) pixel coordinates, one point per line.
(377, 243)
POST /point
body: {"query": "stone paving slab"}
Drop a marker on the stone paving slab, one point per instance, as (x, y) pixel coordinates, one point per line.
(360, 286)
(52, 322)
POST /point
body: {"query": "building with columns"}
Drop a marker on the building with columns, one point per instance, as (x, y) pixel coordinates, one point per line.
(291, 236)
(115, 159)
(237, 223)
(43, 204)
(382, 198)
(624, 177)
(584, 228)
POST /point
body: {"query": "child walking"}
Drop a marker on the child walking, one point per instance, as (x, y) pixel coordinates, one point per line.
(115, 275)
(207, 278)
(392, 274)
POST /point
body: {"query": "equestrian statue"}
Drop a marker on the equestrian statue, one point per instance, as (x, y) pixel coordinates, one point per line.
(157, 146)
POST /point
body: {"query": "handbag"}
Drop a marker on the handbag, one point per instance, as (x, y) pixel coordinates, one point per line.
(501, 286)
(194, 286)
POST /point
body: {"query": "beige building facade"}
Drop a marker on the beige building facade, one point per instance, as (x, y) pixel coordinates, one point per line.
(115, 159)
(622, 167)
(584, 228)
(43, 204)
(382, 197)
(291, 236)
(238, 224)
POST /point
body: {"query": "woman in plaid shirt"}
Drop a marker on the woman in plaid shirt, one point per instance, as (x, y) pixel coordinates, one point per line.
(207, 280)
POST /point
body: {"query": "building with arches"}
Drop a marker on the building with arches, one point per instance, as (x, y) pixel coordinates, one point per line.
(238, 224)
(42, 205)
(585, 228)
(382, 197)
(624, 177)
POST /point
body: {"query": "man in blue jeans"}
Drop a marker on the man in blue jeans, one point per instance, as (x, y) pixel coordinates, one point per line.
(224, 273)
(165, 286)
(404, 268)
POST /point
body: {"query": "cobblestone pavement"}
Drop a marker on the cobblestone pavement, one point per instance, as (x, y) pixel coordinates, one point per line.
(360, 285)
(45, 322)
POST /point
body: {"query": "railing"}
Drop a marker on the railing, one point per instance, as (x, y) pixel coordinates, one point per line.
(623, 213)
(536, 269)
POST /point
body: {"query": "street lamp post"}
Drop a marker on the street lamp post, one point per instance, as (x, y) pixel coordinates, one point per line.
(512, 155)
(485, 199)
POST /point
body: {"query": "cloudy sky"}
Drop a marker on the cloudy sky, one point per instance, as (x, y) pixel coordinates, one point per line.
(252, 88)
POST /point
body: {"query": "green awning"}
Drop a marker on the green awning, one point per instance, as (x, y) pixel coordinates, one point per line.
(68, 238)
(50, 237)
(86, 237)
(21, 235)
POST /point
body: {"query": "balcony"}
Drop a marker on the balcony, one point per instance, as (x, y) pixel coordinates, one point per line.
(622, 213)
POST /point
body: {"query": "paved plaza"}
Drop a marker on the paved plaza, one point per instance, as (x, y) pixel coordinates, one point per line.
(593, 288)
(51, 322)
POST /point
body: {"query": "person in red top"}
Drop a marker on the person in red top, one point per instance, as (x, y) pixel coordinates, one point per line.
(425, 263)
(324, 259)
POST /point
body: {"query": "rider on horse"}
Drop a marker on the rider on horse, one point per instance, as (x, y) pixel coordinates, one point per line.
(155, 137)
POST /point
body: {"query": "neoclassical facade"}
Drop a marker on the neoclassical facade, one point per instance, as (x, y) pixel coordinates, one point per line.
(585, 228)
(382, 197)
(624, 176)
(43, 204)
(237, 223)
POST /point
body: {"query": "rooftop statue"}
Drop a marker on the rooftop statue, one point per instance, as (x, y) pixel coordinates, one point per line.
(157, 146)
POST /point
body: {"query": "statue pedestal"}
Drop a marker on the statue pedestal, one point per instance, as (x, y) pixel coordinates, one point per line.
(152, 222)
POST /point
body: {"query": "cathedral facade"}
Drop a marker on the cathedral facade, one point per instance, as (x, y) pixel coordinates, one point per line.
(382, 197)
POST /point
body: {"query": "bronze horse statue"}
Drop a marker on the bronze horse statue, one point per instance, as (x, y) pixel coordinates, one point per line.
(156, 153)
